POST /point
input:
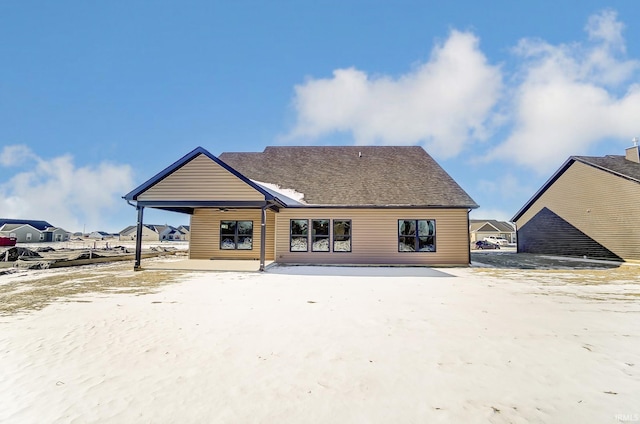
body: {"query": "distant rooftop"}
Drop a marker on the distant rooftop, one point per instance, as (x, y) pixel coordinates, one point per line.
(40, 225)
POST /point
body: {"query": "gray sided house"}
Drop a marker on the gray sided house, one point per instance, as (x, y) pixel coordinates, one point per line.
(315, 205)
(589, 207)
(32, 231)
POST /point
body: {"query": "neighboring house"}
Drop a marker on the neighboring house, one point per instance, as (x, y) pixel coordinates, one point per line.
(589, 207)
(481, 228)
(32, 231)
(185, 230)
(148, 233)
(155, 233)
(100, 235)
(316, 205)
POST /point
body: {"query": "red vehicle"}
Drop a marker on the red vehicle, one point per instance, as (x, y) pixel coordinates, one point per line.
(7, 241)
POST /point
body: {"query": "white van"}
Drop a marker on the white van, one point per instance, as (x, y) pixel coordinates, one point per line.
(501, 241)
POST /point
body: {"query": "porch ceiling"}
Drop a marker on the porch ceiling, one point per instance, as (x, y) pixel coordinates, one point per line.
(189, 206)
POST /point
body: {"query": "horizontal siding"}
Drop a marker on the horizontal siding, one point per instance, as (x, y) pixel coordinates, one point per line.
(597, 203)
(201, 179)
(204, 240)
(566, 240)
(375, 237)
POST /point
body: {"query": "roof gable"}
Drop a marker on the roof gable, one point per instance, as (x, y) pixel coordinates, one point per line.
(153, 188)
(355, 175)
(487, 227)
(615, 165)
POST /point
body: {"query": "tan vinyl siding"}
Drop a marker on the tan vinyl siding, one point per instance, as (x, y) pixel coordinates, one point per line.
(374, 234)
(201, 179)
(603, 206)
(205, 234)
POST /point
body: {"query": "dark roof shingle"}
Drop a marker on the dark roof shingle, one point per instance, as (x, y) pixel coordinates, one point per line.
(40, 225)
(616, 164)
(354, 175)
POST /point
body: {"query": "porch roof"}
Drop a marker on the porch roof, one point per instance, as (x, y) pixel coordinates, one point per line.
(188, 206)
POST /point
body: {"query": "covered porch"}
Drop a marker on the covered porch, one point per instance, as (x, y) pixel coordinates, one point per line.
(216, 197)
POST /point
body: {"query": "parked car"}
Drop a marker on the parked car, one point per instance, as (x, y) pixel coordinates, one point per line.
(482, 244)
(496, 240)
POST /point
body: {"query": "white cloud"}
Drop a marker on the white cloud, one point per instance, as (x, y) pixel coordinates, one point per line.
(15, 155)
(443, 103)
(571, 97)
(57, 191)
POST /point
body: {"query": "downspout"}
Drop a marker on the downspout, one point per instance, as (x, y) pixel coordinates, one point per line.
(263, 234)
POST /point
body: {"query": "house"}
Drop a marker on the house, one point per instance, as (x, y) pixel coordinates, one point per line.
(32, 231)
(315, 205)
(148, 233)
(481, 228)
(185, 230)
(589, 207)
(155, 233)
(100, 235)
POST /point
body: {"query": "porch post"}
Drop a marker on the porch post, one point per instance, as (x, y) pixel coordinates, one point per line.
(263, 235)
(136, 266)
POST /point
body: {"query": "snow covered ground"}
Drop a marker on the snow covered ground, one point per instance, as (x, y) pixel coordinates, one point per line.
(320, 345)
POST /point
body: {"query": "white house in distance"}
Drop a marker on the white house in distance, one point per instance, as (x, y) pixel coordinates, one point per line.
(32, 231)
(156, 233)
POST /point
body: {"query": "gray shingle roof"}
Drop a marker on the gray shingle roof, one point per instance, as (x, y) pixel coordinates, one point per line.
(616, 164)
(354, 175)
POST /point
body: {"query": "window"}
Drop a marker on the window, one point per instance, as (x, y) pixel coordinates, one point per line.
(320, 235)
(299, 235)
(416, 235)
(236, 235)
(342, 236)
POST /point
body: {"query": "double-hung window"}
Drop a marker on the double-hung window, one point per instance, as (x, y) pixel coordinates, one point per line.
(236, 235)
(416, 235)
(341, 235)
(299, 235)
(320, 235)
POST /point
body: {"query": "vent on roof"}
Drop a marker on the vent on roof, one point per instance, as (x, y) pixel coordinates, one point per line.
(633, 153)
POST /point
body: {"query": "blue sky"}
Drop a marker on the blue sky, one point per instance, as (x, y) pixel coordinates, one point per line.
(97, 97)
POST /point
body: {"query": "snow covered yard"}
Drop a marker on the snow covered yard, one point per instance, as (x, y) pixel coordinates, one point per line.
(321, 344)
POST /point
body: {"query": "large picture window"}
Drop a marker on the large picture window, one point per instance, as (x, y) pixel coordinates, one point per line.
(299, 235)
(416, 235)
(236, 235)
(341, 235)
(320, 235)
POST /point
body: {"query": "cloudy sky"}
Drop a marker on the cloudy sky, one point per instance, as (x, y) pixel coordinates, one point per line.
(95, 98)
